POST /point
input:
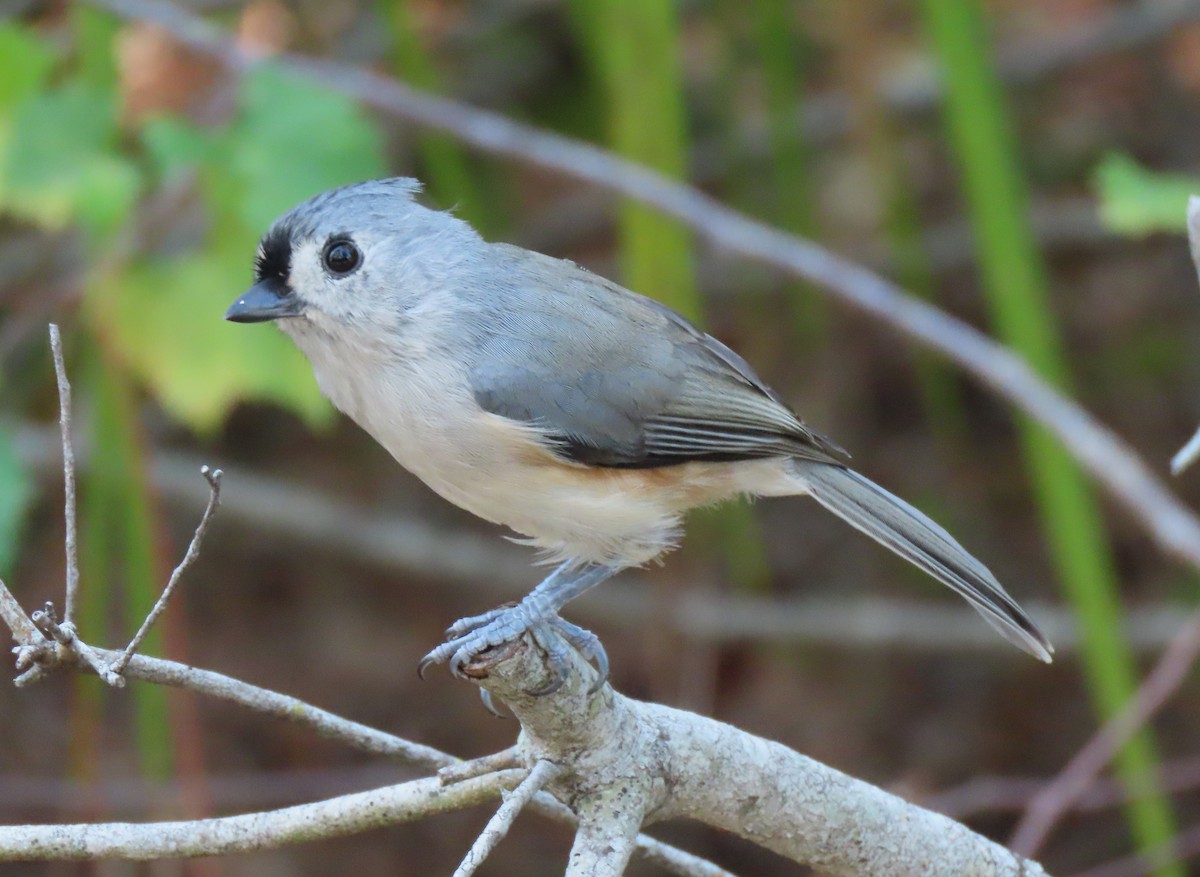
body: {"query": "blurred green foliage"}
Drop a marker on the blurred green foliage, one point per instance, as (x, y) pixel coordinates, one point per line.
(200, 374)
(634, 51)
(451, 176)
(1137, 201)
(16, 491)
(92, 180)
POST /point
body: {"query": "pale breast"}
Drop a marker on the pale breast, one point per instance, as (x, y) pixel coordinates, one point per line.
(422, 411)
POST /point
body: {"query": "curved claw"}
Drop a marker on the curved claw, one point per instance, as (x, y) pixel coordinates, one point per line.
(557, 656)
(435, 656)
(555, 683)
(588, 645)
(489, 703)
(461, 657)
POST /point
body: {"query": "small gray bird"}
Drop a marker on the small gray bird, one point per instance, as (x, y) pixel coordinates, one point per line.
(538, 395)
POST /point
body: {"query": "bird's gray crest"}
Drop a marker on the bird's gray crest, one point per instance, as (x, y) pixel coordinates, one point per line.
(347, 205)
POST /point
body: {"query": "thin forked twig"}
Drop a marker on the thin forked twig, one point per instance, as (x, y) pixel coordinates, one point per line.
(68, 449)
(71, 648)
(1058, 796)
(213, 477)
(501, 822)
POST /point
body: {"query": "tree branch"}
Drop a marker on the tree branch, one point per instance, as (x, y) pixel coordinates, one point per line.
(1190, 451)
(336, 817)
(357, 736)
(621, 758)
(604, 840)
(23, 630)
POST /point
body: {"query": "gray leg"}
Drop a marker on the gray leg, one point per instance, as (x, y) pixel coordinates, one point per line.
(536, 614)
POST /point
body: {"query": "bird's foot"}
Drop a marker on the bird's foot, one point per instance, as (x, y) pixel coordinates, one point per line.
(468, 637)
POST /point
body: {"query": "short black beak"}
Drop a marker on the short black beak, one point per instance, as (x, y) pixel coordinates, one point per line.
(266, 300)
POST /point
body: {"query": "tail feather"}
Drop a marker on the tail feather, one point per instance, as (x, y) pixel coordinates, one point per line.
(911, 534)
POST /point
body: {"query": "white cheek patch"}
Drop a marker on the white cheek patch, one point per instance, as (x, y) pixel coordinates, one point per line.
(307, 278)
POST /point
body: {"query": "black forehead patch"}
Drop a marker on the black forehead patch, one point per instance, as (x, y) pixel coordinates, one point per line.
(274, 258)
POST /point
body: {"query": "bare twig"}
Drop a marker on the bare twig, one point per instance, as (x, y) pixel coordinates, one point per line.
(1048, 806)
(464, 770)
(498, 826)
(603, 842)
(1108, 458)
(68, 451)
(1187, 454)
(71, 649)
(1002, 794)
(213, 477)
(336, 817)
(11, 613)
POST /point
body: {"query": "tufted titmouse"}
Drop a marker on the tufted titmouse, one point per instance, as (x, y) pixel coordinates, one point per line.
(538, 395)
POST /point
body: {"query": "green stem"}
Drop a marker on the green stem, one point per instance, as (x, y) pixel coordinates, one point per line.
(775, 45)
(1019, 300)
(119, 508)
(452, 178)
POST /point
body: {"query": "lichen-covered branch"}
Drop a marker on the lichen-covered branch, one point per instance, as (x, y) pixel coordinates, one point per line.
(624, 757)
(336, 817)
(282, 706)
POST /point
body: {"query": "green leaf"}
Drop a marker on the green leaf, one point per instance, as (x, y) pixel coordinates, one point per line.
(165, 318)
(95, 33)
(16, 491)
(1136, 201)
(61, 165)
(175, 145)
(25, 62)
(294, 139)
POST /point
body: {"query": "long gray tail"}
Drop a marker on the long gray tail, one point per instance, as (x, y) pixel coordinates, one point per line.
(894, 523)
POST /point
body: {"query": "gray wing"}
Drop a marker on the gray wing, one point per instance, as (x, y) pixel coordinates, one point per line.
(616, 379)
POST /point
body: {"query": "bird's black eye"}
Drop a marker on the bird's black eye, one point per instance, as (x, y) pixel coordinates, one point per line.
(341, 257)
